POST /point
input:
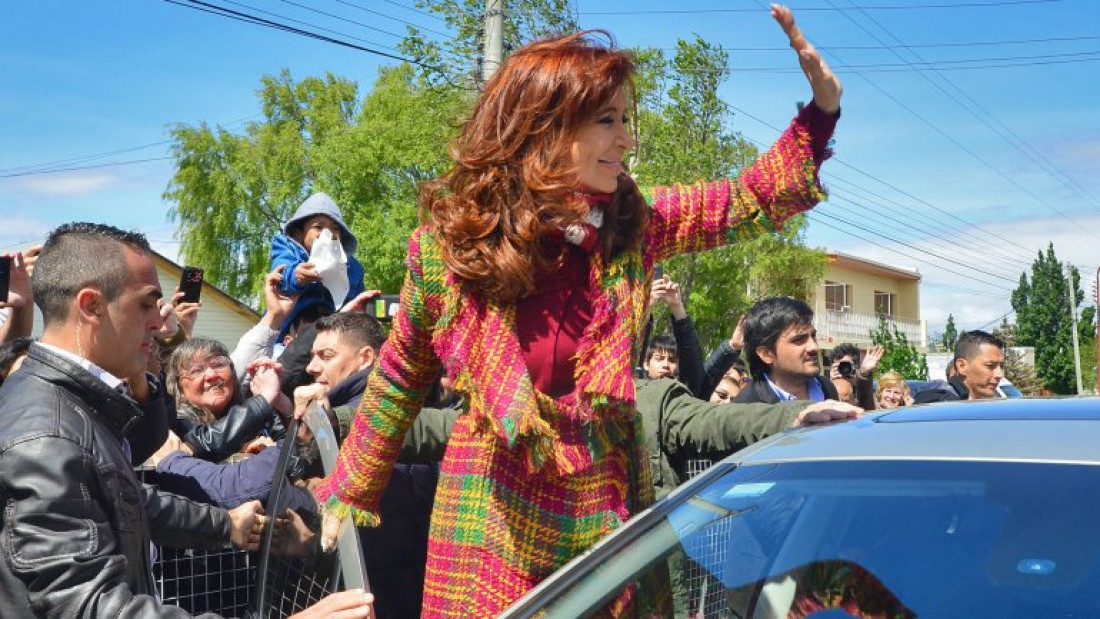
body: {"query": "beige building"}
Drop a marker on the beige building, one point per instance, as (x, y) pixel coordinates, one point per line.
(222, 317)
(856, 291)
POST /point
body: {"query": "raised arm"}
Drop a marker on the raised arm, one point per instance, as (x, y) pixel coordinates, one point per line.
(395, 392)
(782, 183)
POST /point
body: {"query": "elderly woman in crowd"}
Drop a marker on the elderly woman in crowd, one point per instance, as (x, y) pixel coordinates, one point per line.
(892, 391)
(215, 417)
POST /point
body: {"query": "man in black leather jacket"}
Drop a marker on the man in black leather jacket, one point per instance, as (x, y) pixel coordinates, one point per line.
(76, 523)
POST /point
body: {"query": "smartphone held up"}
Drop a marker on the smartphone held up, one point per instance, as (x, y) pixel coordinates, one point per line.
(191, 284)
(5, 277)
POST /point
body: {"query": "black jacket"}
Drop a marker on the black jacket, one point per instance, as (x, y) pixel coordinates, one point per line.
(76, 523)
(950, 391)
(719, 362)
(689, 356)
(395, 552)
(759, 391)
(217, 440)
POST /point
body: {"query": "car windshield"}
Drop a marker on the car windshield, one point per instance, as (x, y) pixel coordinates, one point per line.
(865, 539)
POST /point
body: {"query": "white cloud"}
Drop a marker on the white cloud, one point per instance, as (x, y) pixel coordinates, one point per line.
(77, 184)
(20, 231)
(973, 304)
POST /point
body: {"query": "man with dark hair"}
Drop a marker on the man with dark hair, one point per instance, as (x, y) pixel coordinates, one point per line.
(76, 520)
(661, 360)
(979, 366)
(345, 343)
(781, 344)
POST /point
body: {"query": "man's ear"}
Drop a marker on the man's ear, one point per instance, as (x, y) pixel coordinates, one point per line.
(961, 365)
(366, 357)
(765, 354)
(90, 306)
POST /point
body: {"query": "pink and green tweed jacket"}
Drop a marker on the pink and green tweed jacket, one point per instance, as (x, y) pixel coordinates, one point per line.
(530, 481)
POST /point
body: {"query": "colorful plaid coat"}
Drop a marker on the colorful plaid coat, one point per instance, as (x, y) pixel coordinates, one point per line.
(529, 481)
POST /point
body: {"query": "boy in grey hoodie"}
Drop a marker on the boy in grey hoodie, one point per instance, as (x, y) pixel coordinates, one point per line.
(291, 249)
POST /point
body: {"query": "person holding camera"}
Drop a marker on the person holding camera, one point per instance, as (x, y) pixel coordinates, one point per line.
(853, 377)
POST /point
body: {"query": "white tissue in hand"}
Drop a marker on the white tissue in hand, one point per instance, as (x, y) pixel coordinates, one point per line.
(328, 258)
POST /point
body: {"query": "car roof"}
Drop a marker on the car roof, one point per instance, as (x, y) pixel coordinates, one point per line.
(1025, 430)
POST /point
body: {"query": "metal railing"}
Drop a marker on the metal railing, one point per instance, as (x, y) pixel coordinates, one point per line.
(835, 327)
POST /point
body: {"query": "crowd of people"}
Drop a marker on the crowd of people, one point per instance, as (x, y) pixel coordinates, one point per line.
(506, 422)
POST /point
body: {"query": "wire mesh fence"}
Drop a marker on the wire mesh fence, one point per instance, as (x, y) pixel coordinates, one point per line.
(705, 593)
(295, 574)
(206, 581)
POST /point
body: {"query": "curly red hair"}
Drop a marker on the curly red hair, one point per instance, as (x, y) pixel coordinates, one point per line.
(513, 179)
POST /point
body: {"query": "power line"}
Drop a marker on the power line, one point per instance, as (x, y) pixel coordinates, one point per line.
(334, 16)
(957, 64)
(259, 21)
(961, 5)
(814, 217)
(1012, 181)
(787, 49)
(407, 23)
(985, 116)
(893, 187)
(930, 253)
(45, 167)
(415, 10)
(85, 167)
(955, 249)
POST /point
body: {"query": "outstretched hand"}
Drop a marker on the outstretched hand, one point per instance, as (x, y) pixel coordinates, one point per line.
(826, 87)
(828, 411)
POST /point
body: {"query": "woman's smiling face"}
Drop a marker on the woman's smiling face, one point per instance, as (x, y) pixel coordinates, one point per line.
(206, 382)
(599, 147)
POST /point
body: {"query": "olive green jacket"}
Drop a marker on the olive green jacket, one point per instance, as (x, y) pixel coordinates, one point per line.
(680, 428)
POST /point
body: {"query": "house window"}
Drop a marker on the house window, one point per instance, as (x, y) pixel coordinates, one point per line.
(836, 296)
(884, 303)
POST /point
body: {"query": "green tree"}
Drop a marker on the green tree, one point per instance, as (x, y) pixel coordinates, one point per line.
(1043, 320)
(683, 134)
(950, 334)
(1017, 370)
(899, 354)
(455, 61)
(231, 192)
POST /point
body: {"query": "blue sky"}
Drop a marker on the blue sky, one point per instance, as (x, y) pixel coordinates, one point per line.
(926, 183)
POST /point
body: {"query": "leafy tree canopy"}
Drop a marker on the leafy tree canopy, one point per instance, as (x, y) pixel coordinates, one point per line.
(899, 355)
(1043, 320)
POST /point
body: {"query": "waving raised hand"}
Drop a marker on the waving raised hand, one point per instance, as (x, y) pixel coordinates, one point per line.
(826, 87)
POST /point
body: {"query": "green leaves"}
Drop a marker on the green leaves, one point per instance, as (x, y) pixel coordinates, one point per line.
(900, 355)
(1043, 320)
(683, 134)
(232, 192)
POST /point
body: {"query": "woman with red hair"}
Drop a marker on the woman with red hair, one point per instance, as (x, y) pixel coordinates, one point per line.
(528, 285)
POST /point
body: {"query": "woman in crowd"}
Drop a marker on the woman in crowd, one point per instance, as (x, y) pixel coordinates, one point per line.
(215, 418)
(528, 284)
(892, 391)
(736, 379)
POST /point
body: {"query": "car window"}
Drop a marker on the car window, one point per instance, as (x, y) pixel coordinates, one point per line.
(863, 539)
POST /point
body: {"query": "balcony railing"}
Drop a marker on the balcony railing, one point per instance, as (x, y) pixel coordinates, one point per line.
(839, 327)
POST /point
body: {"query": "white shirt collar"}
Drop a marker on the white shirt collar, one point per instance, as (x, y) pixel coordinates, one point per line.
(111, 380)
(813, 390)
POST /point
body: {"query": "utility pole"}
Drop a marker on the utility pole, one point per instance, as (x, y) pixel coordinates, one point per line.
(1073, 313)
(493, 50)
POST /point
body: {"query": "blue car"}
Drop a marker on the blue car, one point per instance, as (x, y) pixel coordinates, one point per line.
(970, 510)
